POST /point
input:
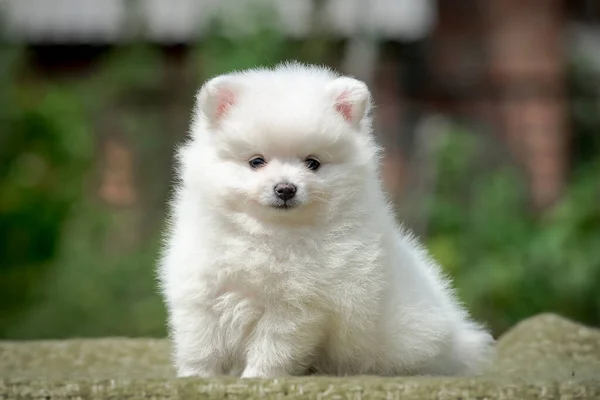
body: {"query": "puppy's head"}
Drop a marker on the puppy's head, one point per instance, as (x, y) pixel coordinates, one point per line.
(290, 143)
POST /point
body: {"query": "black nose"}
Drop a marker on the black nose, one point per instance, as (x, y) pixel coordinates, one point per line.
(285, 191)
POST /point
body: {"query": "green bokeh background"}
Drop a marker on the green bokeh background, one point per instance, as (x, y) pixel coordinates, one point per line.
(72, 266)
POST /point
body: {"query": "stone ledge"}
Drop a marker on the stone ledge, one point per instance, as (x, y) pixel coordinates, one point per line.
(544, 357)
(360, 388)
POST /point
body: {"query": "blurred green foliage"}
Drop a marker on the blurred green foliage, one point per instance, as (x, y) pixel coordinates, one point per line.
(508, 262)
(69, 265)
(56, 276)
(44, 150)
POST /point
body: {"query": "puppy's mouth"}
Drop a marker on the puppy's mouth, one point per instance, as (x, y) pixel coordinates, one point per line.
(285, 205)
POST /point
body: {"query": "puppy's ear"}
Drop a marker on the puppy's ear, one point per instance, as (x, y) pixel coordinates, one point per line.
(351, 97)
(216, 97)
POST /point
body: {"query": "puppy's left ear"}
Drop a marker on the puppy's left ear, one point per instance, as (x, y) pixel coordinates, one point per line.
(351, 98)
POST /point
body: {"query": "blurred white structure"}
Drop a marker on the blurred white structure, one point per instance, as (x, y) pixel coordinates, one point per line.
(61, 21)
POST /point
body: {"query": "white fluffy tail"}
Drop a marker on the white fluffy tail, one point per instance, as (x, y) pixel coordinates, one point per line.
(473, 351)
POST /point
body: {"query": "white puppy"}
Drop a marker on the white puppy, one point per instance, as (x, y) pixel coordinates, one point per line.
(282, 253)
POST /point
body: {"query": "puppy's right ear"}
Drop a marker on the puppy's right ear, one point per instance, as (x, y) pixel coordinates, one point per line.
(216, 97)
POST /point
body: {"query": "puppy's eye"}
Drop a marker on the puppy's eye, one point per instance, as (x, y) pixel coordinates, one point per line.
(257, 162)
(312, 163)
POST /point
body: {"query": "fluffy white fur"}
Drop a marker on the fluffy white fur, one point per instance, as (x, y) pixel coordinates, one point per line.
(330, 283)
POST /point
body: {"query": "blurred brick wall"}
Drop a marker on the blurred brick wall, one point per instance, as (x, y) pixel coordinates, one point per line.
(502, 62)
(527, 67)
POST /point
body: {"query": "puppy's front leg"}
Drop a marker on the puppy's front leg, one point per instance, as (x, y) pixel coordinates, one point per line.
(199, 349)
(283, 343)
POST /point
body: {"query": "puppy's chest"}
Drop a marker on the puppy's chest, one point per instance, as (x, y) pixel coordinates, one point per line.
(265, 271)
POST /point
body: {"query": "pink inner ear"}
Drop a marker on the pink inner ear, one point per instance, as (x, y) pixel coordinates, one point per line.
(343, 106)
(226, 100)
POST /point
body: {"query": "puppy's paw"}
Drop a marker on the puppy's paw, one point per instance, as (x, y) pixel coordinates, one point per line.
(189, 372)
(262, 373)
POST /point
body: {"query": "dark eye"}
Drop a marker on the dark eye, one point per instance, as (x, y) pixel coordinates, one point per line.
(312, 163)
(257, 162)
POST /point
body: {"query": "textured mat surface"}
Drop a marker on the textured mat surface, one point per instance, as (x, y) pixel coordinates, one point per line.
(544, 357)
